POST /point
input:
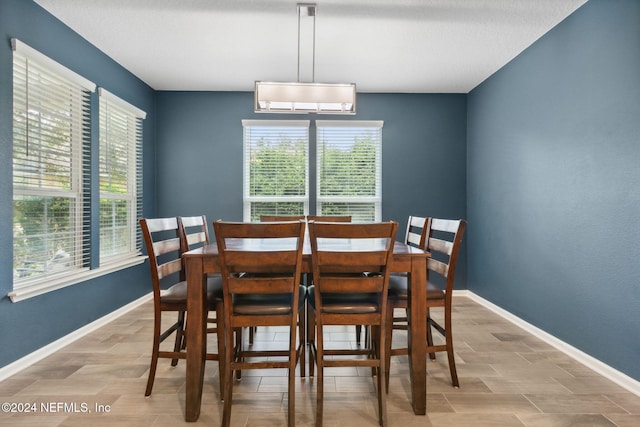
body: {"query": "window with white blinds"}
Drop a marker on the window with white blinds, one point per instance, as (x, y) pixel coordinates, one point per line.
(349, 169)
(276, 168)
(120, 169)
(51, 168)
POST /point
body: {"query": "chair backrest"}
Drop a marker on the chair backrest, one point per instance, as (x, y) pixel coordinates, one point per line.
(417, 229)
(260, 258)
(343, 252)
(194, 231)
(443, 243)
(279, 218)
(329, 218)
(162, 239)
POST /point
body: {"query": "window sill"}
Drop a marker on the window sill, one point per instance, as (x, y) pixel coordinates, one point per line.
(83, 276)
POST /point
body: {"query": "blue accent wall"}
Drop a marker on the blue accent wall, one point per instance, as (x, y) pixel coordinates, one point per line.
(554, 184)
(28, 325)
(199, 154)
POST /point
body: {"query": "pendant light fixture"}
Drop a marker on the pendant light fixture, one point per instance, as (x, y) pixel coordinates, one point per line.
(302, 97)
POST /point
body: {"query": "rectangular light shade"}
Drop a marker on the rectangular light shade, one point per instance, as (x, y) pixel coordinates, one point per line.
(295, 97)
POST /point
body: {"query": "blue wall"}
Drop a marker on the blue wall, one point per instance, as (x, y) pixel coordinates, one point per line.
(199, 154)
(554, 184)
(28, 325)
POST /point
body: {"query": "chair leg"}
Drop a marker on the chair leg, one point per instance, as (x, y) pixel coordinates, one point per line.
(449, 344)
(293, 352)
(358, 334)
(319, 356)
(228, 378)
(432, 355)
(388, 345)
(239, 348)
(382, 375)
(311, 336)
(180, 337)
(302, 331)
(378, 334)
(221, 346)
(154, 353)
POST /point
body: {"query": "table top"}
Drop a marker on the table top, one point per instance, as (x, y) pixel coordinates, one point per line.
(399, 248)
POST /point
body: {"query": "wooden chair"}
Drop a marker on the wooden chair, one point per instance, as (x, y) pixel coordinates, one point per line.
(194, 234)
(163, 241)
(350, 288)
(415, 236)
(442, 239)
(261, 287)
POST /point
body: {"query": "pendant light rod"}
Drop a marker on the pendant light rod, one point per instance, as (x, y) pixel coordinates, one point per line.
(310, 10)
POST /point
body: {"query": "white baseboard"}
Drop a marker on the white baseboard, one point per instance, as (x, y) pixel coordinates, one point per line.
(596, 365)
(41, 353)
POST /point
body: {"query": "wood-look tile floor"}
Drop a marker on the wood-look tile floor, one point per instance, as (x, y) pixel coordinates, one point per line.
(507, 378)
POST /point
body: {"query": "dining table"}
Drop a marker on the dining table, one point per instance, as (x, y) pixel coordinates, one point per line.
(204, 260)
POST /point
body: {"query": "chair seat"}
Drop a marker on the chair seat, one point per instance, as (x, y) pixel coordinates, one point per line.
(398, 289)
(177, 294)
(266, 304)
(345, 303)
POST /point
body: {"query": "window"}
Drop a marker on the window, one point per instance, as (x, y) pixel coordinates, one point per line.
(51, 168)
(349, 168)
(120, 177)
(276, 168)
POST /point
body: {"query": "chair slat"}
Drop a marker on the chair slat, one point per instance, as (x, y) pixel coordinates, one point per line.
(446, 225)
(248, 261)
(341, 284)
(438, 266)
(169, 268)
(439, 245)
(193, 221)
(160, 224)
(166, 246)
(355, 260)
(195, 238)
(261, 285)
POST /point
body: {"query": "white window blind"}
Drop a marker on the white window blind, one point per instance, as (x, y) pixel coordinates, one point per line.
(276, 168)
(51, 168)
(120, 177)
(349, 169)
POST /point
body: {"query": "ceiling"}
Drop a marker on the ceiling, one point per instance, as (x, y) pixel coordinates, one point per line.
(414, 46)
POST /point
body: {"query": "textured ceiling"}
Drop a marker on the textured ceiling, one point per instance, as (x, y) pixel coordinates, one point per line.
(437, 46)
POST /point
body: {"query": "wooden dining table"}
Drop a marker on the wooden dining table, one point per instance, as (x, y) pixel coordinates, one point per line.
(202, 261)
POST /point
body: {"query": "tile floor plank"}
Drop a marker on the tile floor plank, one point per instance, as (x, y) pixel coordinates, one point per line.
(507, 378)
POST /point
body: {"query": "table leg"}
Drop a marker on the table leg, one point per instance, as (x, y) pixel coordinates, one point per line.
(196, 336)
(418, 335)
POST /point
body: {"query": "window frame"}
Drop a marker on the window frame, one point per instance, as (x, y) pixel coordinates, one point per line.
(51, 108)
(375, 199)
(249, 199)
(112, 107)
